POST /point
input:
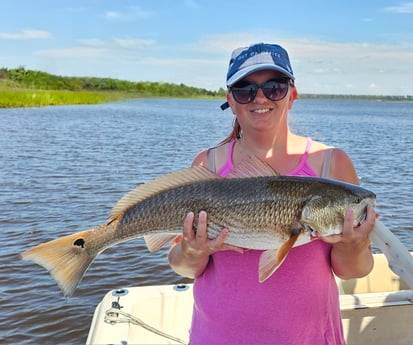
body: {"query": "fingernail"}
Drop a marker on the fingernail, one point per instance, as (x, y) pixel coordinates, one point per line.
(349, 212)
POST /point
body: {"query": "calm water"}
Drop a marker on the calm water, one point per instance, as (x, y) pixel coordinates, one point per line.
(63, 168)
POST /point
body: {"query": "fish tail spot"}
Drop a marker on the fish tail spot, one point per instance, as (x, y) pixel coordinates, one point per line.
(65, 258)
(80, 242)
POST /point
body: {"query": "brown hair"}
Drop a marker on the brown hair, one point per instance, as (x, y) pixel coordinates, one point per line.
(235, 133)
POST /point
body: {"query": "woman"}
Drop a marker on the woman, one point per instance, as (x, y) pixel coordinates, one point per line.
(299, 303)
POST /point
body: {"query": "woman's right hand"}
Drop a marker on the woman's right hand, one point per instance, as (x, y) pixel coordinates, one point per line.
(190, 256)
(197, 244)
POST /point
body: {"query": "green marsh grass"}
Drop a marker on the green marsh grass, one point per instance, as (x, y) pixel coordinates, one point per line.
(39, 98)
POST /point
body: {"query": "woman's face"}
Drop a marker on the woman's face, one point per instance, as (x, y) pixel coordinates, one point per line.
(261, 113)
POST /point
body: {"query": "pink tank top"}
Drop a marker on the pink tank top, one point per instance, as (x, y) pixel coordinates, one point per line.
(302, 169)
(298, 304)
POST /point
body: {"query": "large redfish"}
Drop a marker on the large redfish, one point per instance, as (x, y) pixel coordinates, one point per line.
(269, 213)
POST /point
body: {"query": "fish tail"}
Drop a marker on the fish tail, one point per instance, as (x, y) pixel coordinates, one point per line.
(66, 259)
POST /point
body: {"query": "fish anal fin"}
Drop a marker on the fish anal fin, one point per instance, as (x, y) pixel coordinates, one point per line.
(66, 259)
(252, 166)
(156, 242)
(172, 180)
(271, 259)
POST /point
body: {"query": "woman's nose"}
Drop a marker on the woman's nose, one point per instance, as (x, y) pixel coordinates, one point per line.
(260, 97)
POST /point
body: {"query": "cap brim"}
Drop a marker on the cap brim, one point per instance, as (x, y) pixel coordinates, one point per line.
(251, 69)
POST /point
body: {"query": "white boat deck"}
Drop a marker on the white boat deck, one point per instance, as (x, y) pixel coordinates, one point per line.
(377, 309)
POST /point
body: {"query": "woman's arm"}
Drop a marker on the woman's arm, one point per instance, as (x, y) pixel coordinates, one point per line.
(351, 255)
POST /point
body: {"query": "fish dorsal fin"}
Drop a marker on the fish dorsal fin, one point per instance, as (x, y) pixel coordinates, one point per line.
(172, 180)
(252, 166)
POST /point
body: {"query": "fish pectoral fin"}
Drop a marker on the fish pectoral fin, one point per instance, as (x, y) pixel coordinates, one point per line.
(156, 242)
(271, 259)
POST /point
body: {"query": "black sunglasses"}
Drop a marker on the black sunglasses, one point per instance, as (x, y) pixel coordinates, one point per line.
(245, 92)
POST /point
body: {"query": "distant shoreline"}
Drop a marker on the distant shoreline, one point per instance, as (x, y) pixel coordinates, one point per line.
(378, 98)
(26, 88)
(23, 98)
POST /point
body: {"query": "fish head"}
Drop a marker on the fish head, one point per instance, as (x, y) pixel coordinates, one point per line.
(324, 212)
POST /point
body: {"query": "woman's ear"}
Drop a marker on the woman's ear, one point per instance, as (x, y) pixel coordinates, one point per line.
(293, 96)
(229, 100)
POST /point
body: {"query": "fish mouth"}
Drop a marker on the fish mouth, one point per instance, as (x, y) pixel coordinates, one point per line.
(314, 234)
(362, 215)
(358, 221)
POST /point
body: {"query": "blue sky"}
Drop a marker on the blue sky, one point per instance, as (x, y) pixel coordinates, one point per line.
(347, 47)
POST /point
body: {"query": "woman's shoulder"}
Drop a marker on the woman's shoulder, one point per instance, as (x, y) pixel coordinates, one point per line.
(219, 154)
(201, 158)
(339, 157)
(341, 165)
(319, 146)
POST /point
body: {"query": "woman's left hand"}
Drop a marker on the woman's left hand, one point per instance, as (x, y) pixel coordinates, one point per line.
(351, 255)
(354, 236)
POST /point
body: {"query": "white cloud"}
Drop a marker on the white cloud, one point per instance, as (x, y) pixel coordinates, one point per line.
(92, 42)
(112, 15)
(129, 43)
(402, 8)
(27, 34)
(133, 42)
(130, 14)
(72, 53)
(93, 48)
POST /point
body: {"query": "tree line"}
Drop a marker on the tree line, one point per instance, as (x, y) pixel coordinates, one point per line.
(30, 79)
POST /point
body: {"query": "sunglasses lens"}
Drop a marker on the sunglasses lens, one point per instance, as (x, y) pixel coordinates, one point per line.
(275, 90)
(244, 93)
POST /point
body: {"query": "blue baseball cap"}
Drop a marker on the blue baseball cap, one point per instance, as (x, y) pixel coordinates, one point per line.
(257, 57)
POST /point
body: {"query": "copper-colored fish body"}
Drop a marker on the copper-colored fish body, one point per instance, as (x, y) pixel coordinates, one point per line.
(266, 213)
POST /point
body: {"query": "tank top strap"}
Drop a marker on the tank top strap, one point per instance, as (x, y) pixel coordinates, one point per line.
(228, 165)
(307, 147)
(230, 150)
(211, 159)
(304, 157)
(325, 171)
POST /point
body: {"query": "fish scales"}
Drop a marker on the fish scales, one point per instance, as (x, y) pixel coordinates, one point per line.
(267, 207)
(245, 205)
(273, 213)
